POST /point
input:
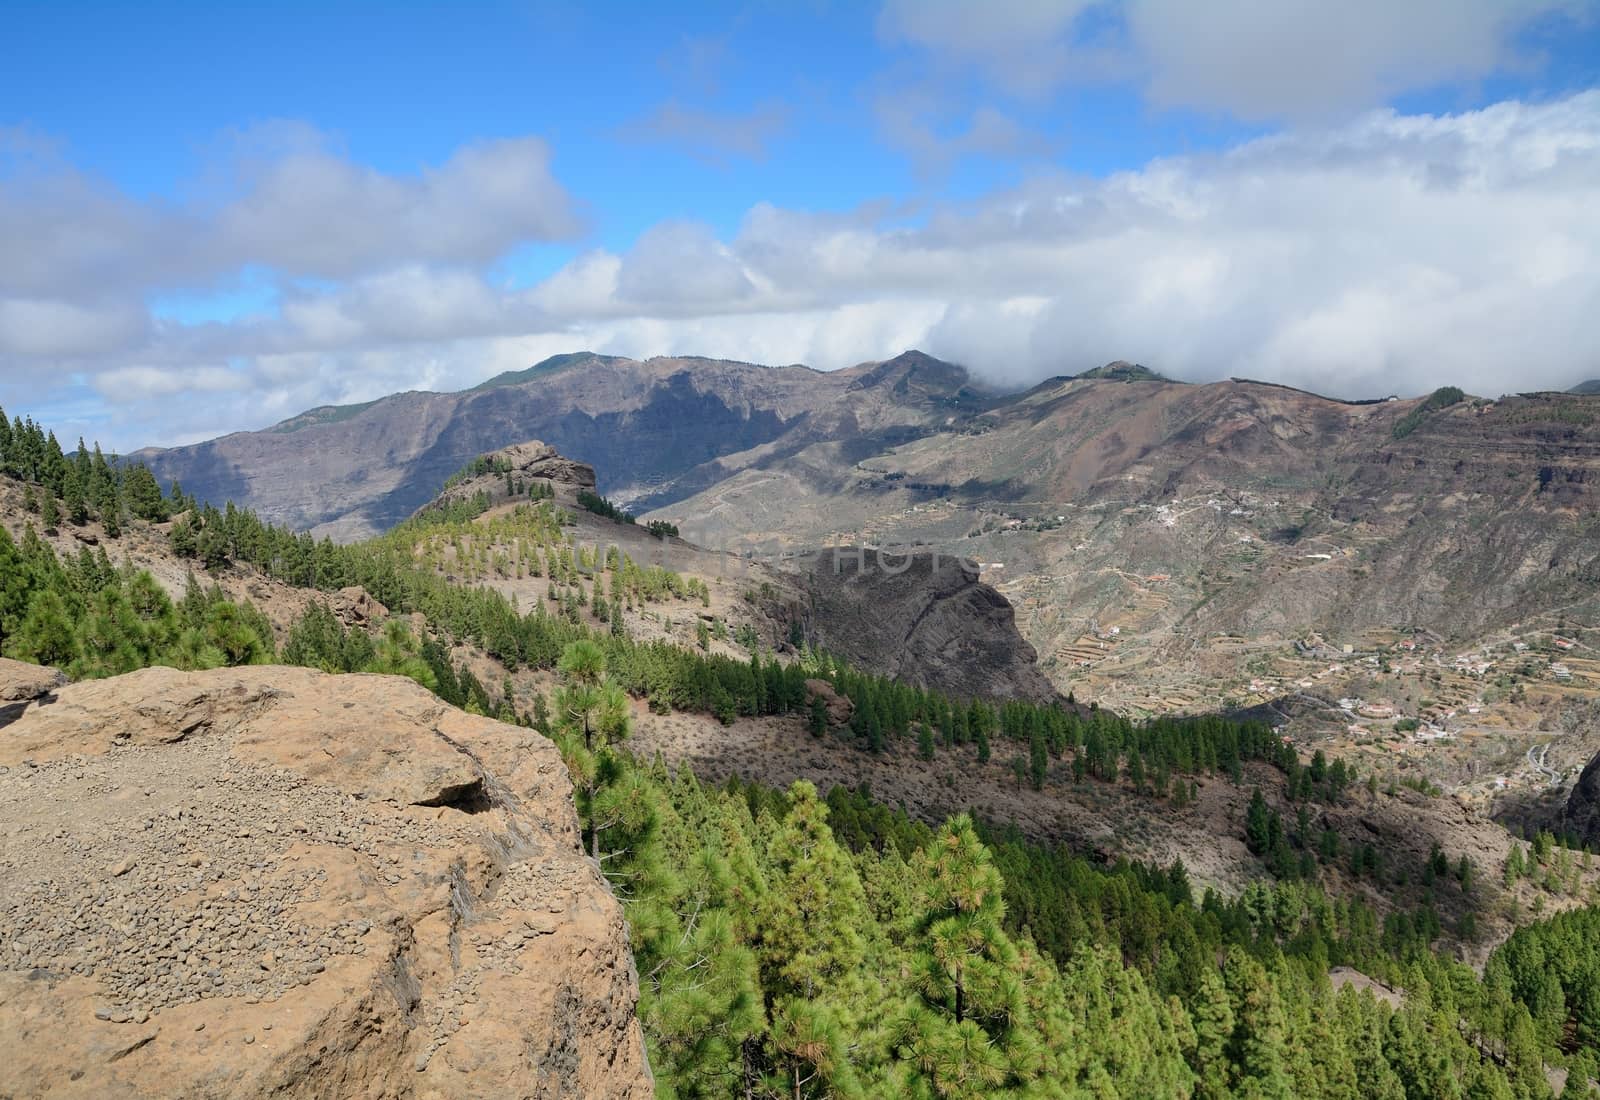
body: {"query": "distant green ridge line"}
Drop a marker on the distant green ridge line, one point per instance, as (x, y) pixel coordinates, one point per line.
(322, 414)
(542, 369)
(1125, 372)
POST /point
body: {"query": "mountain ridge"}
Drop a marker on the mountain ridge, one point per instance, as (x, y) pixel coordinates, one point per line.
(374, 463)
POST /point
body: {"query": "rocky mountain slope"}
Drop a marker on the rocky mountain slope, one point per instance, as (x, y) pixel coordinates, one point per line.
(1136, 521)
(1261, 510)
(270, 881)
(1107, 814)
(355, 470)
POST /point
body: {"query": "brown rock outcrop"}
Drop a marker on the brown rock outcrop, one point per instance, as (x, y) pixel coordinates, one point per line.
(20, 681)
(540, 460)
(839, 707)
(530, 462)
(271, 881)
(354, 606)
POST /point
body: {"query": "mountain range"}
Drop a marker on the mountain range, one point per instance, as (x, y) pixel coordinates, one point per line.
(654, 429)
(1165, 545)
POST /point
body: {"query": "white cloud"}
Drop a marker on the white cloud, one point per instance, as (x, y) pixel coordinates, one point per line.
(1300, 58)
(712, 136)
(406, 304)
(45, 327)
(1254, 59)
(308, 211)
(914, 125)
(578, 288)
(1027, 47)
(1392, 253)
(144, 383)
(681, 265)
(79, 259)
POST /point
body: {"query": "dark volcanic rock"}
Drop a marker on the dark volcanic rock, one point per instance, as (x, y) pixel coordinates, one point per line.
(1583, 805)
(924, 618)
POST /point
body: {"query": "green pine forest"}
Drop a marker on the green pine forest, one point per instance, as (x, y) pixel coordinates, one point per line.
(796, 944)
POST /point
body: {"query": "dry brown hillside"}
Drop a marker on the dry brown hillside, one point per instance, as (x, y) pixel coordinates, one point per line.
(1173, 547)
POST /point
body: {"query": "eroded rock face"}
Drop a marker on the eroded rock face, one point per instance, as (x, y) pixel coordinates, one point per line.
(354, 606)
(20, 682)
(271, 881)
(923, 618)
(1583, 805)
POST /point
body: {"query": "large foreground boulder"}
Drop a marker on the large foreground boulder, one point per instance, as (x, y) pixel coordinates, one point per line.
(20, 682)
(274, 882)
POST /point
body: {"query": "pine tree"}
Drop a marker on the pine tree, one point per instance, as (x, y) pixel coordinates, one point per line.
(694, 894)
(111, 640)
(1136, 773)
(1038, 761)
(810, 938)
(15, 587)
(594, 719)
(211, 545)
(1259, 1029)
(817, 723)
(157, 617)
(228, 628)
(965, 970)
(1257, 826)
(73, 500)
(1212, 1013)
(45, 635)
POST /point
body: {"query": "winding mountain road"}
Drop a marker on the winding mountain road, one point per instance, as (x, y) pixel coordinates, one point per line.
(1541, 752)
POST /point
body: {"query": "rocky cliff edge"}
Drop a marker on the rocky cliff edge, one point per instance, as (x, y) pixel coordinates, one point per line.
(271, 881)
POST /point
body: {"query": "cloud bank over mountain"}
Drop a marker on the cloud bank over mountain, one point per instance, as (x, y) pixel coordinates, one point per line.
(1353, 253)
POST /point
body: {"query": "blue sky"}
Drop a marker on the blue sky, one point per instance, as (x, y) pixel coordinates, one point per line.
(213, 216)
